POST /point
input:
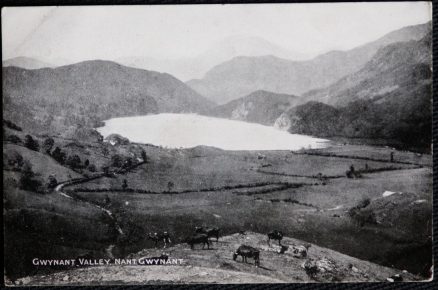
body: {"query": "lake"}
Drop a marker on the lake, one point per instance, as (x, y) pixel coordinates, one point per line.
(190, 130)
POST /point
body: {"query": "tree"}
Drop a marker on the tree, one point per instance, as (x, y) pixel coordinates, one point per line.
(48, 145)
(92, 168)
(30, 143)
(52, 182)
(125, 184)
(15, 161)
(27, 181)
(144, 156)
(116, 160)
(106, 170)
(13, 139)
(170, 186)
(59, 155)
(74, 161)
(86, 163)
(128, 162)
(105, 151)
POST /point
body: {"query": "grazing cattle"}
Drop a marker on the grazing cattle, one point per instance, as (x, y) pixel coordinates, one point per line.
(155, 237)
(247, 252)
(275, 235)
(198, 239)
(261, 156)
(283, 249)
(300, 251)
(79, 259)
(162, 259)
(210, 232)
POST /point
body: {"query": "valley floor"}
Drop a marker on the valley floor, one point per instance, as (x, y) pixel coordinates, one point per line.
(305, 194)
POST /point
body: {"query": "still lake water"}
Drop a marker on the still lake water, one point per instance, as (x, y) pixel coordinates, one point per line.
(190, 130)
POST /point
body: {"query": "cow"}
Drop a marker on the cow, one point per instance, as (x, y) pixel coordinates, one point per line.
(162, 259)
(247, 252)
(275, 235)
(210, 232)
(198, 239)
(283, 249)
(300, 251)
(155, 237)
(86, 256)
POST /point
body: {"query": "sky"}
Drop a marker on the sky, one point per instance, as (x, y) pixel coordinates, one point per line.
(95, 32)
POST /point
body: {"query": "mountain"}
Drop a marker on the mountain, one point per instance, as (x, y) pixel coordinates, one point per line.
(25, 62)
(389, 98)
(244, 74)
(89, 92)
(258, 107)
(195, 67)
(397, 66)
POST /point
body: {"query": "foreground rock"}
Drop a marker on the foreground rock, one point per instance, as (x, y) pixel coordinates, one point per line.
(217, 266)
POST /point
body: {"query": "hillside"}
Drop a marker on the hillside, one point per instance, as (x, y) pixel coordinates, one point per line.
(258, 107)
(25, 62)
(395, 67)
(389, 98)
(242, 75)
(88, 92)
(217, 266)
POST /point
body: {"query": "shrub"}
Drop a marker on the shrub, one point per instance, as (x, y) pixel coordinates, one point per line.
(144, 156)
(15, 160)
(361, 214)
(116, 160)
(48, 144)
(125, 184)
(52, 182)
(27, 181)
(105, 151)
(14, 139)
(74, 161)
(170, 186)
(59, 155)
(11, 125)
(92, 168)
(129, 162)
(30, 143)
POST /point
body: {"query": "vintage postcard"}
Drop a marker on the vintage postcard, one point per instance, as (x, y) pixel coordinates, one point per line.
(181, 144)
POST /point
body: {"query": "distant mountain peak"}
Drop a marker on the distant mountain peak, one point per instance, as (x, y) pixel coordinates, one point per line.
(25, 62)
(244, 74)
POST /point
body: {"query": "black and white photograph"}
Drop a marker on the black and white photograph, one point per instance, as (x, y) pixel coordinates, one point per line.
(217, 143)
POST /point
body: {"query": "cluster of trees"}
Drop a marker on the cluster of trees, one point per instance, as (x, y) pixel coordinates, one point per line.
(13, 139)
(28, 179)
(406, 119)
(31, 143)
(11, 125)
(126, 162)
(73, 161)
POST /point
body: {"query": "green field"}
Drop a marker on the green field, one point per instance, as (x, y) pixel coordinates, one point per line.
(178, 189)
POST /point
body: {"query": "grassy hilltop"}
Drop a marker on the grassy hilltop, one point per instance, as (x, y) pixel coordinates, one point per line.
(215, 265)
